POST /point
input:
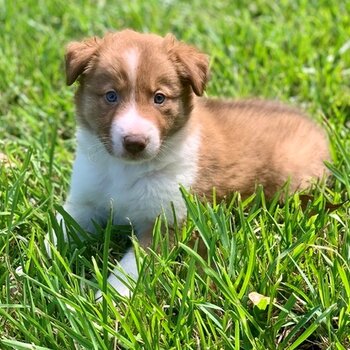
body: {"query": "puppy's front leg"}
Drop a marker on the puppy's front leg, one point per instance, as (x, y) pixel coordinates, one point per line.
(119, 279)
(83, 214)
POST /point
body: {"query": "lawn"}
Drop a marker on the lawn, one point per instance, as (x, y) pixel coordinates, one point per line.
(276, 276)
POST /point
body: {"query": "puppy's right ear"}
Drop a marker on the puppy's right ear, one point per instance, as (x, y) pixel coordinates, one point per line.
(78, 55)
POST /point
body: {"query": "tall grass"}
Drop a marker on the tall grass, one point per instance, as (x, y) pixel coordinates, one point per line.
(274, 276)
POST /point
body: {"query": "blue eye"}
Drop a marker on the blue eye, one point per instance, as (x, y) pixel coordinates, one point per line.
(111, 96)
(159, 98)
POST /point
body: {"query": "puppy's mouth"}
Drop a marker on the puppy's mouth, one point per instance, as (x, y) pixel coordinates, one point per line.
(128, 158)
(137, 157)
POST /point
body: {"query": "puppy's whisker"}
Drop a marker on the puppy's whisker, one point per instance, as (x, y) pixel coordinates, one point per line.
(96, 149)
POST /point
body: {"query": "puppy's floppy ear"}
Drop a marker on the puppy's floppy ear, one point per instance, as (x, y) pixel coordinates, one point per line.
(78, 55)
(191, 64)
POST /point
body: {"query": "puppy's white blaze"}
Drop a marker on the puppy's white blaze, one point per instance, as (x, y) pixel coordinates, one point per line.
(131, 58)
(132, 123)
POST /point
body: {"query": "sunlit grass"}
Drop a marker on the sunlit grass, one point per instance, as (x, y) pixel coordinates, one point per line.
(295, 255)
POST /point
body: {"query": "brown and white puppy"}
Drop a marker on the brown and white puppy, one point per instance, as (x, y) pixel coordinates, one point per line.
(143, 130)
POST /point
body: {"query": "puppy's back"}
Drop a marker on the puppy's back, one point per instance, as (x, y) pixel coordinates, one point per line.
(252, 142)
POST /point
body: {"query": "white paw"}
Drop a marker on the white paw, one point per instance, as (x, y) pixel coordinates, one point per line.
(123, 277)
(51, 238)
(119, 286)
(47, 243)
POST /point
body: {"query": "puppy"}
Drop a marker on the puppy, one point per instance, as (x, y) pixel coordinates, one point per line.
(143, 129)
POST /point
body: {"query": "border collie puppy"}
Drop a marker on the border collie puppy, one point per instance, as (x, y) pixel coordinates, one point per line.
(143, 129)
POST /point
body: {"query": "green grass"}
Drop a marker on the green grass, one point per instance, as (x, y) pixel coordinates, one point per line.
(296, 255)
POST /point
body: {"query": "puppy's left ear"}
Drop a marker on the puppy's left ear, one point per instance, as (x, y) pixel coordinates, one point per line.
(78, 55)
(191, 64)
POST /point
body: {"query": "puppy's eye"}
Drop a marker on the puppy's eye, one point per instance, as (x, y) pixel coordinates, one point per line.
(159, 98)
(111, 96)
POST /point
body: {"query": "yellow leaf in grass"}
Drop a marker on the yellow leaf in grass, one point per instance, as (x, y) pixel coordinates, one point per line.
(259, 300)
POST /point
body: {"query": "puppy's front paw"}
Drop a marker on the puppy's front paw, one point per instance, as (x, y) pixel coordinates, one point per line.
(47, 243)
(123, 277)
(51, 238)
(120, 283)
(121, 288)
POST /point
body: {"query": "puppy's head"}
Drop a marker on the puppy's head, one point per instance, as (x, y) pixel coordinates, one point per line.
(135, 89)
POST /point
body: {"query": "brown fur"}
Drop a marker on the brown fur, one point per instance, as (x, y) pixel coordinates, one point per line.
(252, 142)
(242, 143)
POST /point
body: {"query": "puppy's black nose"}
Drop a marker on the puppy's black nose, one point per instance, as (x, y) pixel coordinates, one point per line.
(135, 143)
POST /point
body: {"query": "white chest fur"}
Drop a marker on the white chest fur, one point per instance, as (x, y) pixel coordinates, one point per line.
(138, 192)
